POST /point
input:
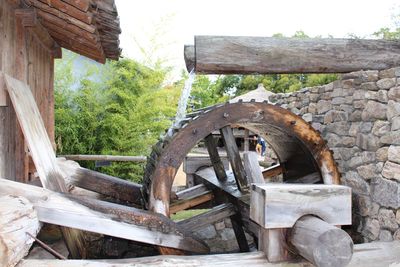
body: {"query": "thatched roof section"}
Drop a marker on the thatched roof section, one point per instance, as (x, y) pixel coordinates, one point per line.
(259, 95)
(87, 27)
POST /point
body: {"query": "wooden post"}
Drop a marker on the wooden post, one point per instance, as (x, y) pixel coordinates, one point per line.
(246, 140)
(252, 168)
(266, 55)
(234, 158)
(321, 243)
(214, 157)
(237, 226)
(17, 218)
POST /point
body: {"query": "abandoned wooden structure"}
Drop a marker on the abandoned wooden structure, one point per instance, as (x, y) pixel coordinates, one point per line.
(34, 32)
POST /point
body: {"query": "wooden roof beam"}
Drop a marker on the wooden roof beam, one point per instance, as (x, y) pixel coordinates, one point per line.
(72, 11)
(79, 4)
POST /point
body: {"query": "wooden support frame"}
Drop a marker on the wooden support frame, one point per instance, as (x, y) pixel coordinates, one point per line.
(214, 157)
(252, 167)
(234, 158)
(3, 91)
(191, 202)
(103, 217)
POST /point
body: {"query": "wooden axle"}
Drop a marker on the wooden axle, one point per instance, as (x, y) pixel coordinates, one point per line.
(321, 243)
(266, 55)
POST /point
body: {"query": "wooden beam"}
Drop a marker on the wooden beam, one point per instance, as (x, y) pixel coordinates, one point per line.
(103, 217)
(246, 140)
(101, 183)
(64, 7)
(266, 55)
(3, 91)
(17, 218)
(211, 216)
(252, 168)
(105, 157)
(234, 158)
(42, 152)
(214, 157)
(321, 243)
(272, 171)
(80, 4)
(237, 226)
(281, 205)
(191, 191)
(191, 202)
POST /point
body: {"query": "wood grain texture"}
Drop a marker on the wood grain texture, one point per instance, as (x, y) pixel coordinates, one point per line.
(3, 91)
(17, 217)
(321, 243)
(191, 202)
(234, 158)
(42, 151)
(252, 167)
(102, 217)
(281, 205)
(267, 55)
(191, 192)
(217, 164)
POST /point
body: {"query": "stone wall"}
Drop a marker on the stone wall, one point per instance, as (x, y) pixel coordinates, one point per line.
(359, 116)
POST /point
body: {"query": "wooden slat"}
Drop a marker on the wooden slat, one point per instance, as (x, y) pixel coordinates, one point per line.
(214, 157)
(106, 157)
(41, 150)
(191, 202)
(191, 191)
(266, 55)
(237, 226)
(101, 183)
(80, 4)
(3, 94)
(234, 158)
(211, 216)
(252, 168)
(272, 171)
(90, 215)
(71, 10)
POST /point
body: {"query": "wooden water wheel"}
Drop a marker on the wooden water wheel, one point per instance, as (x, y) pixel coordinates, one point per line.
(300, 149)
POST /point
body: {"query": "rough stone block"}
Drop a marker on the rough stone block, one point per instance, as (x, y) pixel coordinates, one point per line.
(394, 154)
(391, 170)
(395, 123)
(355, 116)
(323, 106)
(381, 128)
(368, 171)
(389, 73)
(391, 138)
(207, 232)
(367, 142)
(382, 154)
(340, 128)
(394, 93)
(369, 86)
(334, 116)
(386, 192)
(338, 100)
(387, 219)
(374, 111)
(393, 109)
(386, 83)
(359, 104)
(385, 236)
(396, 235)
(359, 95)
(371, 229)
(362, 204)
(357, 184)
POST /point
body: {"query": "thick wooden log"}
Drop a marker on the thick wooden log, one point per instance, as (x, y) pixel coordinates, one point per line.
(42, 152)
(214, 215)
(252, 168)
(214, 157)
(102, 217)
(17, 218)
(234, 158)
(321, 243)
(245, 55)
(101, 183)
(281, 205)
(191, 202)
(106, 157)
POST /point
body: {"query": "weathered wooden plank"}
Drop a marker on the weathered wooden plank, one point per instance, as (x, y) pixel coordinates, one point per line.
(273, 243)
(311, 178)
(3, 93)
(272, 171)
(237, 226)
(281, 205)
(214, 157)
(376, 254)
(242, 55)
(321, 243)
(246, 140)
(234, 158)
(17, 218)
(101, 183)
(191, 191)
(42, 151)
(90, 215)
(105, 157)
(211, 216)
(252, 168)
(193, 162)
(191, 202)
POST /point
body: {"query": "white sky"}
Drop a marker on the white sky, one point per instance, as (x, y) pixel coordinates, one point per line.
(162, 27)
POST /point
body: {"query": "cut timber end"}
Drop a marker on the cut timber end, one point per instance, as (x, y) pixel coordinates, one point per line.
(321, 243)
(281, 205)
(267, 55)
(17, 218)
(189, 57)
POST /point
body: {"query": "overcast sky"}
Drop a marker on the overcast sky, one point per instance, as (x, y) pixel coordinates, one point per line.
(162, 27)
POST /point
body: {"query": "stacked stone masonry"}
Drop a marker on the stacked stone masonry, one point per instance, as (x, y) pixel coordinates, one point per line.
(359, 117)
